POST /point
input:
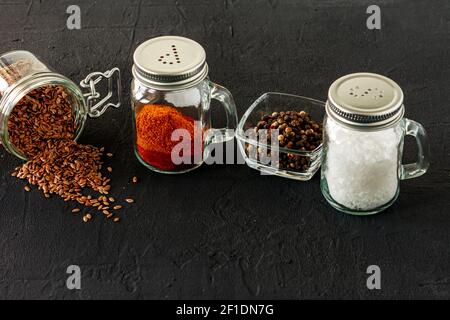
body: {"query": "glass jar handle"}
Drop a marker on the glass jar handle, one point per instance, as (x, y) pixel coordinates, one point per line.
(414, 170)
(224, 96)
(96, 109)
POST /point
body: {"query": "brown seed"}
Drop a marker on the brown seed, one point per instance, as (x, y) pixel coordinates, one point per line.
(42, 126)
(106, 212)
(109, 216)
(110, 155)
(135, 179)
(129, 200)
(110, 169)
(76, 210)
(116, 219)
(87, 217)
(117, 207)
(111, 199)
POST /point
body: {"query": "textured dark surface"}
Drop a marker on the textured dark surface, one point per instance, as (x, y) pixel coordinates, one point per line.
(226, 231)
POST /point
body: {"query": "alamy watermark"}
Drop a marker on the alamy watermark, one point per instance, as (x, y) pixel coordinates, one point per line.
(262, 146)
(374, 20)
(74, 19)
(374, 280)
(73, 282)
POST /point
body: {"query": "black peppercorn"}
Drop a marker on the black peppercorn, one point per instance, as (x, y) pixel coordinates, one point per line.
(296, 130)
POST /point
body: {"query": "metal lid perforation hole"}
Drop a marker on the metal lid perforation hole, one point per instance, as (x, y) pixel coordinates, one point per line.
(175, 52)
(166, 59)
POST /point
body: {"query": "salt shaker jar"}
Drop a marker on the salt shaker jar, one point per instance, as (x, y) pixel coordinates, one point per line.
(363, 144)
(171, 92)
(22, 72)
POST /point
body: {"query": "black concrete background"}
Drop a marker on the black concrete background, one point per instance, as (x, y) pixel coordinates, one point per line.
(226, 231)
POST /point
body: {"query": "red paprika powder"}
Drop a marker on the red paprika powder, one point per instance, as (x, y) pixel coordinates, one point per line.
(154, 127)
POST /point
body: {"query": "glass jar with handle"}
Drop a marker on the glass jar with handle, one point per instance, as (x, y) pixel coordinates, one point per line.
(171, 101)
(364, 131)
(21, 72)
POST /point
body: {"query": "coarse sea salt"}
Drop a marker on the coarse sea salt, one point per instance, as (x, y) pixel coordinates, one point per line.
(362, 168)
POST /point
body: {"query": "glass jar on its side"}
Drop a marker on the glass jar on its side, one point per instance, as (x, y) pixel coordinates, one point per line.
(364, 132)
(21, 73)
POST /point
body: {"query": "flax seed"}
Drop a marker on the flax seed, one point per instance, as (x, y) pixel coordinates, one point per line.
(129, 200)
(42, 126)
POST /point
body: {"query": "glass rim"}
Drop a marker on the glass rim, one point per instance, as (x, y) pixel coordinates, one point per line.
(22, 88)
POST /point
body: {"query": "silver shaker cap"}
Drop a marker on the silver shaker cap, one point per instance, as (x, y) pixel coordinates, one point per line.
(170, 63)
(365, 100)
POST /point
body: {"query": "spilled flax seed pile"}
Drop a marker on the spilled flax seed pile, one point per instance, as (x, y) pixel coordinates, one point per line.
(43, 128)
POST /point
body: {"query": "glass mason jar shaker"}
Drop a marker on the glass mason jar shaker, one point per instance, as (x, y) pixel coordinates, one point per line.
(363, 144)
(171, 96)
(21, 72)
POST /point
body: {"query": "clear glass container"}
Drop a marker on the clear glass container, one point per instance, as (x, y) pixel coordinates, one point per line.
(265, 157)
(171, 102)
(21, 72)
(364, 132)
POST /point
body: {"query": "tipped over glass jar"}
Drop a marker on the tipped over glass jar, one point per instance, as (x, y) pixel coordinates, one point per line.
(364, 131)
(24, 76)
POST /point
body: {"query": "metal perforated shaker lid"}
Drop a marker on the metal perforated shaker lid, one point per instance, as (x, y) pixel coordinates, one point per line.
(170, 63)
(365, 100)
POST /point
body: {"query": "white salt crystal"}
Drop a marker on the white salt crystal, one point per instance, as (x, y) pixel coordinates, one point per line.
(362, 168)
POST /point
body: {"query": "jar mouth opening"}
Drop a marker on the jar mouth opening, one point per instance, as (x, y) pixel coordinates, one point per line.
(23, 88)
(380, 124)
(7, 53)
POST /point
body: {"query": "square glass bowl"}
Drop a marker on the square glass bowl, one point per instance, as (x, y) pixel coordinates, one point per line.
(267, 104)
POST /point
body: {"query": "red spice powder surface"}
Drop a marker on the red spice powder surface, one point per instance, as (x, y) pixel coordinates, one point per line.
(155, 125)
